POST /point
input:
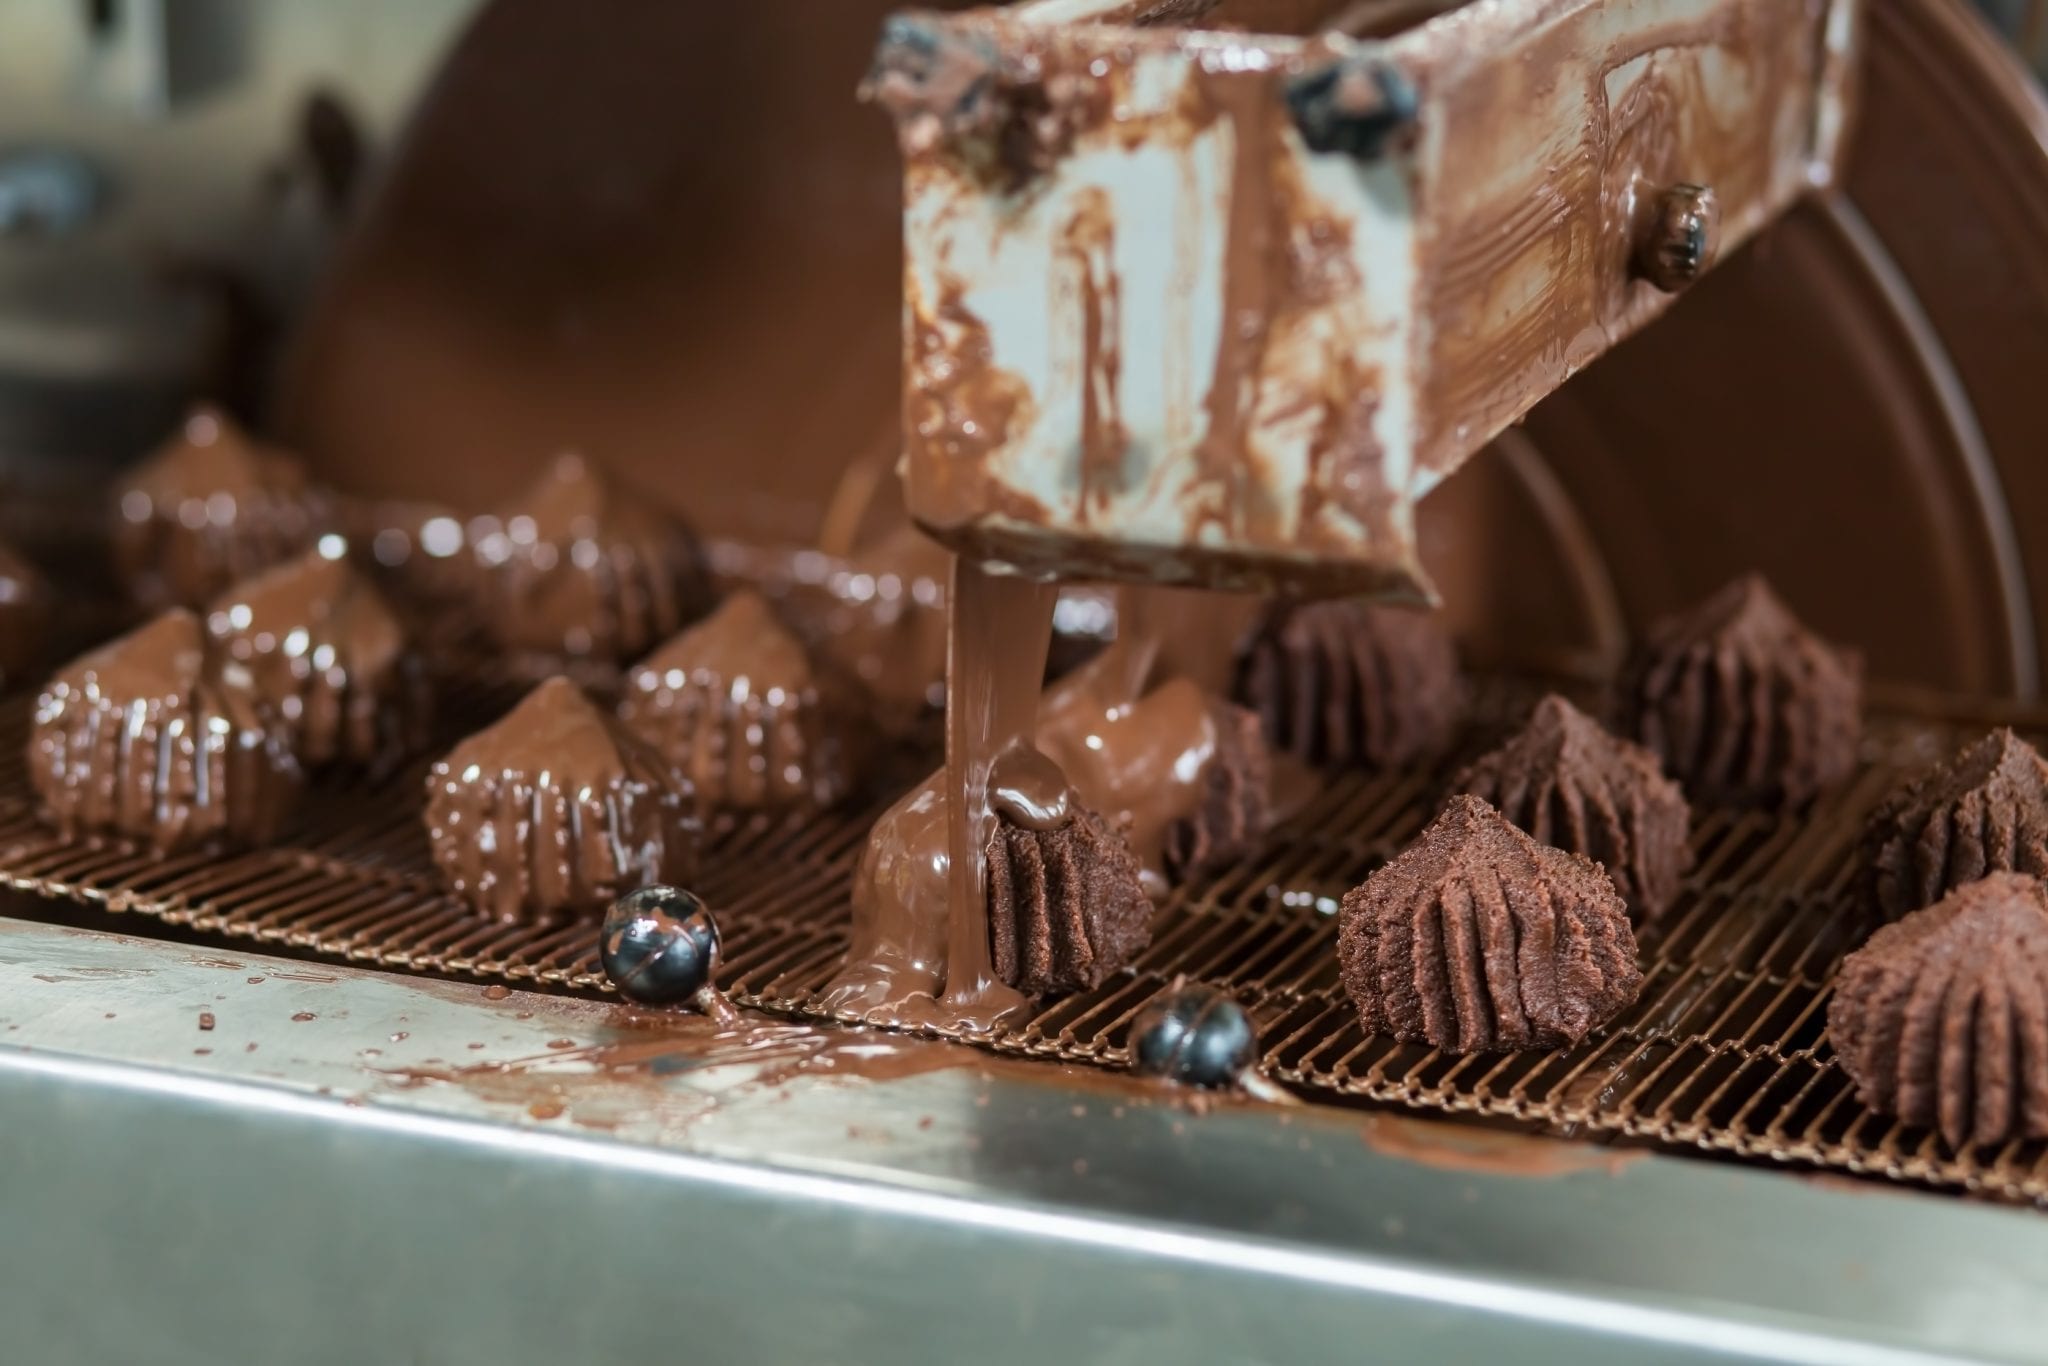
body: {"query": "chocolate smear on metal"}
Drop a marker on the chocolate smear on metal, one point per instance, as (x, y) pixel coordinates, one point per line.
(1088, 248)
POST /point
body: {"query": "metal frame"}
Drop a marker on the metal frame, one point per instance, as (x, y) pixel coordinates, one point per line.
(334, 1195)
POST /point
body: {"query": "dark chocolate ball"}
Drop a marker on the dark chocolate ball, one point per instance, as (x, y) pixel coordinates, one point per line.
(1193, 1034)
(660, 945)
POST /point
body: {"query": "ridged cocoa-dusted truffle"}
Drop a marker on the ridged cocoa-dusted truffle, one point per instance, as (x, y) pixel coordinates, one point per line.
(558, 807)
(142, 737)
(1066, 907)
(322, 646)
(1236, 803)
(1743, 704)
(1985, 811)
(1478, 938)
(211, 507)
(1942, 1018)
(737, 703)
(579, 566)
(24, 616)
(1567, 782)
(1353, 682)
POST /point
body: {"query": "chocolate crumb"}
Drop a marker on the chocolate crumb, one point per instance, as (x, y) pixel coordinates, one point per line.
(1942, 1017)
(496, 993)
(1066, 906)
(1477, 938)
(303, 1016)
(206, 1019)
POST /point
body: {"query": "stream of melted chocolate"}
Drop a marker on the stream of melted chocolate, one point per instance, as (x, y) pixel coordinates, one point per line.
(1000, 631)
(1131, 735)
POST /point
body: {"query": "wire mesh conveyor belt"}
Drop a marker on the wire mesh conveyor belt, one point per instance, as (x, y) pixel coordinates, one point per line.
(1724, 1051)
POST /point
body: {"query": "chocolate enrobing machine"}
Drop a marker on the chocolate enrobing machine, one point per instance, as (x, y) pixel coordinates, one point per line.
(219, 1123)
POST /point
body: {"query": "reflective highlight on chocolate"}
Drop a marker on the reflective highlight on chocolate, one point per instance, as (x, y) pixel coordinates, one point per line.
(557, 808)
(143, 738)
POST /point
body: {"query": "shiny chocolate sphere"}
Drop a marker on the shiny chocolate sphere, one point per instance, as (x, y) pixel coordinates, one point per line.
(659, 946)
(1193, 1034)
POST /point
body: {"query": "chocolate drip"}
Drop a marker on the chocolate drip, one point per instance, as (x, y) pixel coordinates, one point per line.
(326, 652)
(1236, 805)
(739, 707)
(24, 616)
(1985, 811)
(1942, 1018)
(1743, 704)
(578, 567)
(998, 634)
(1066, 906)
(143, 738)
(1567, 782)
(1143, 756)
(209, 508)
(1352, 682)
(1477, 938)
(1028, 790)
(558, 808)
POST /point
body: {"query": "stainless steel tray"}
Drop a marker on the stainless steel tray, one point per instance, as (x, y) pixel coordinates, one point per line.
(352, 1166)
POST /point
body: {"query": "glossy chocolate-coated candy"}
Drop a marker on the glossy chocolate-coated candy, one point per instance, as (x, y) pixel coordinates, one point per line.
(660, 945)
(1196, 1035)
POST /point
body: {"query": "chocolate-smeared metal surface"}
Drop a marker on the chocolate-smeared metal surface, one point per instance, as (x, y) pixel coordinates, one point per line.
(1478, 938)
(1291, 318)
(210, 507)
(558, 807)
(1942, 1018)
(1281, 311)
(324, 650)
(1568, 783)
(143, 737)
(1353, 682)
(1743, 703)
(581, 565)
(739, 706)
(1066, 907)
(1984, 811)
